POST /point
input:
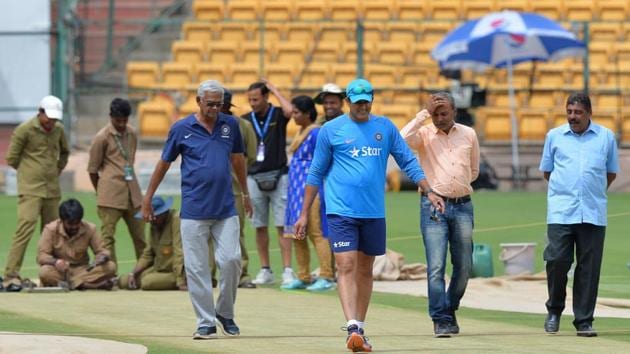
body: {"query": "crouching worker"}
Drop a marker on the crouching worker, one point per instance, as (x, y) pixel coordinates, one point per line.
(161, 265)
(63, 252)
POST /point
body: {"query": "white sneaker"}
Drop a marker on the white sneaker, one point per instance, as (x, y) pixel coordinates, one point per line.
(264, 276)
(288, 276)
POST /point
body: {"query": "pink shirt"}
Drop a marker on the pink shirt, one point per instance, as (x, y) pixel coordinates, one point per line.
(450, 161)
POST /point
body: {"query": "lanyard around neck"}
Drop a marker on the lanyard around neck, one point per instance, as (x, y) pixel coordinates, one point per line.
(261, 134)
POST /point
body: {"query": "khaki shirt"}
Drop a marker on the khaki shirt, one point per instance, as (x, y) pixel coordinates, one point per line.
(56, 244)
(39, 158)
(249, 143)
(164, 250)
(108, 161)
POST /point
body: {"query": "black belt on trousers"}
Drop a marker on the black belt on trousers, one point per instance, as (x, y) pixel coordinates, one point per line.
(458, 200)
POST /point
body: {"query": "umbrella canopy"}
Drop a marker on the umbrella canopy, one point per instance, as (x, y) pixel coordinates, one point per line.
(493, 40)
(501, 39)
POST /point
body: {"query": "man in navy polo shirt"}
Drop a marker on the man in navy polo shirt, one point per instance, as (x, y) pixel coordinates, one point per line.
(209, 142)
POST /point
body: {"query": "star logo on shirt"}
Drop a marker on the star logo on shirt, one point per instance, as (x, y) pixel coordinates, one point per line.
(354, 152)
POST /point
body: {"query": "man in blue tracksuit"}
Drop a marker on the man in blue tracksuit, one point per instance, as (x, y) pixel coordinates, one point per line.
(350, 161)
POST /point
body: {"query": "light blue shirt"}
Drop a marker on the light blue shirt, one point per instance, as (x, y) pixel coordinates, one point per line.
(351, 157)
(579, 165)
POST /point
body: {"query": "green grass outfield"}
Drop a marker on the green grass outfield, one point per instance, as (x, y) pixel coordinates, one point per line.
(285, 322)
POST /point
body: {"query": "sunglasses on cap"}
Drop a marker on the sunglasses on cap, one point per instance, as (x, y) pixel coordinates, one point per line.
(360, 91)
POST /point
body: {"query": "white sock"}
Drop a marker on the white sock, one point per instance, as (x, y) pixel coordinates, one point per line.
(360, 324)
(352, 322)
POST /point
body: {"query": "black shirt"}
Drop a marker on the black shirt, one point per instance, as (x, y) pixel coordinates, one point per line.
(275, 141)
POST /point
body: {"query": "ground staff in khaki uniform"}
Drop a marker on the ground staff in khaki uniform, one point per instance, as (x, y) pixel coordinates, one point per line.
(161, 266)
(249, 143)
(39, 152)
(63, 255)
(118, 195)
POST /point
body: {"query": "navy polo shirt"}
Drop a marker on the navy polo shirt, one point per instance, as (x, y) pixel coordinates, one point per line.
(205, 168)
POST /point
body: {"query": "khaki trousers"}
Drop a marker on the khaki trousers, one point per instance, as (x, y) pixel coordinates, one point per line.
(152, 280)
(29, 210)
(109, 218)
(322, 248)
(77, 275)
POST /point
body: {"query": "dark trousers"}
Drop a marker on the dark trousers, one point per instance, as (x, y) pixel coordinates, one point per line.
(588, 240)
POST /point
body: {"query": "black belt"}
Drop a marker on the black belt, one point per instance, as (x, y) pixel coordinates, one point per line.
(458, 200)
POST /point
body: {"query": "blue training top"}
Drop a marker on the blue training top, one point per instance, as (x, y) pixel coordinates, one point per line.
(205, 169)
(352, 159)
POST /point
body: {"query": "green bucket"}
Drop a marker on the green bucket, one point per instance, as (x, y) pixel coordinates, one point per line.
(482, 261)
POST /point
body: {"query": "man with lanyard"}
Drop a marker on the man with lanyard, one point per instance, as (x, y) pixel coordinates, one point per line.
(350, 158)
(110, 166)
(210, 146)
(267, 178)
(39, 152)
(331, 98)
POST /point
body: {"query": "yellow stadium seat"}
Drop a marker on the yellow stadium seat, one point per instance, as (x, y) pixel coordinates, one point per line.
(607, 118)
(155, 118)
(514, 5)
(223, 51)
(213, 71)
(605, 31)
(477, 8)
(404, 32)
(548, 8)
(413, 9)
(281, 74)
(234, 31)
(533, 124)
(208, 10)
(558, 116)
(177, 75)
(326, 52)
(379, 10)
(346, 10)
(273, 32)
(392, 53)
(243, 9)
(624, 75)
(144, 74)
(250, 52)
(402, 114)
(445, 9)
(606, 101)
(289, 52)
(349, 52)
(277, 10)
(434, 32)
(622, 52)
(497, 126)
(198, 31)
(342, 74)
(414, 77)
(541, 99)
(420, 53)
(599, 52)
(315, 75)
(336, 32)
(292, 129)
(243, 75)
(188, 51)
(301, 32)
(613, 10)
(580, 10)
(381, 76)
(190, 106)
(373, 32)
(625, 126)
(311, 10)
(410, 98)
(550, 76)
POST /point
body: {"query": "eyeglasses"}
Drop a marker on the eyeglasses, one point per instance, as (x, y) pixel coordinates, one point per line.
(214, 104)
(360, 90)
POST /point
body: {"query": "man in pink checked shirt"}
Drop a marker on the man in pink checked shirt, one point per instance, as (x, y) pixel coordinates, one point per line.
(449, 153)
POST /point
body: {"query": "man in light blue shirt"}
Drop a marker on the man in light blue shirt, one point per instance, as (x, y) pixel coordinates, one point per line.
(350, 161)
(580, 162)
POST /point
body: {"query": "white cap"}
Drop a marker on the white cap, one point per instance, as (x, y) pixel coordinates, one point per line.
(52, 106)
(329, 88)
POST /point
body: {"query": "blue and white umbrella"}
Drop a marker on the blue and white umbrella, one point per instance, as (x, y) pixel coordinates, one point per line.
(502, 39)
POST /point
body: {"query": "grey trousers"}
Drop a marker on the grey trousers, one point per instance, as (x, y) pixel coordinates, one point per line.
(227, 252)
